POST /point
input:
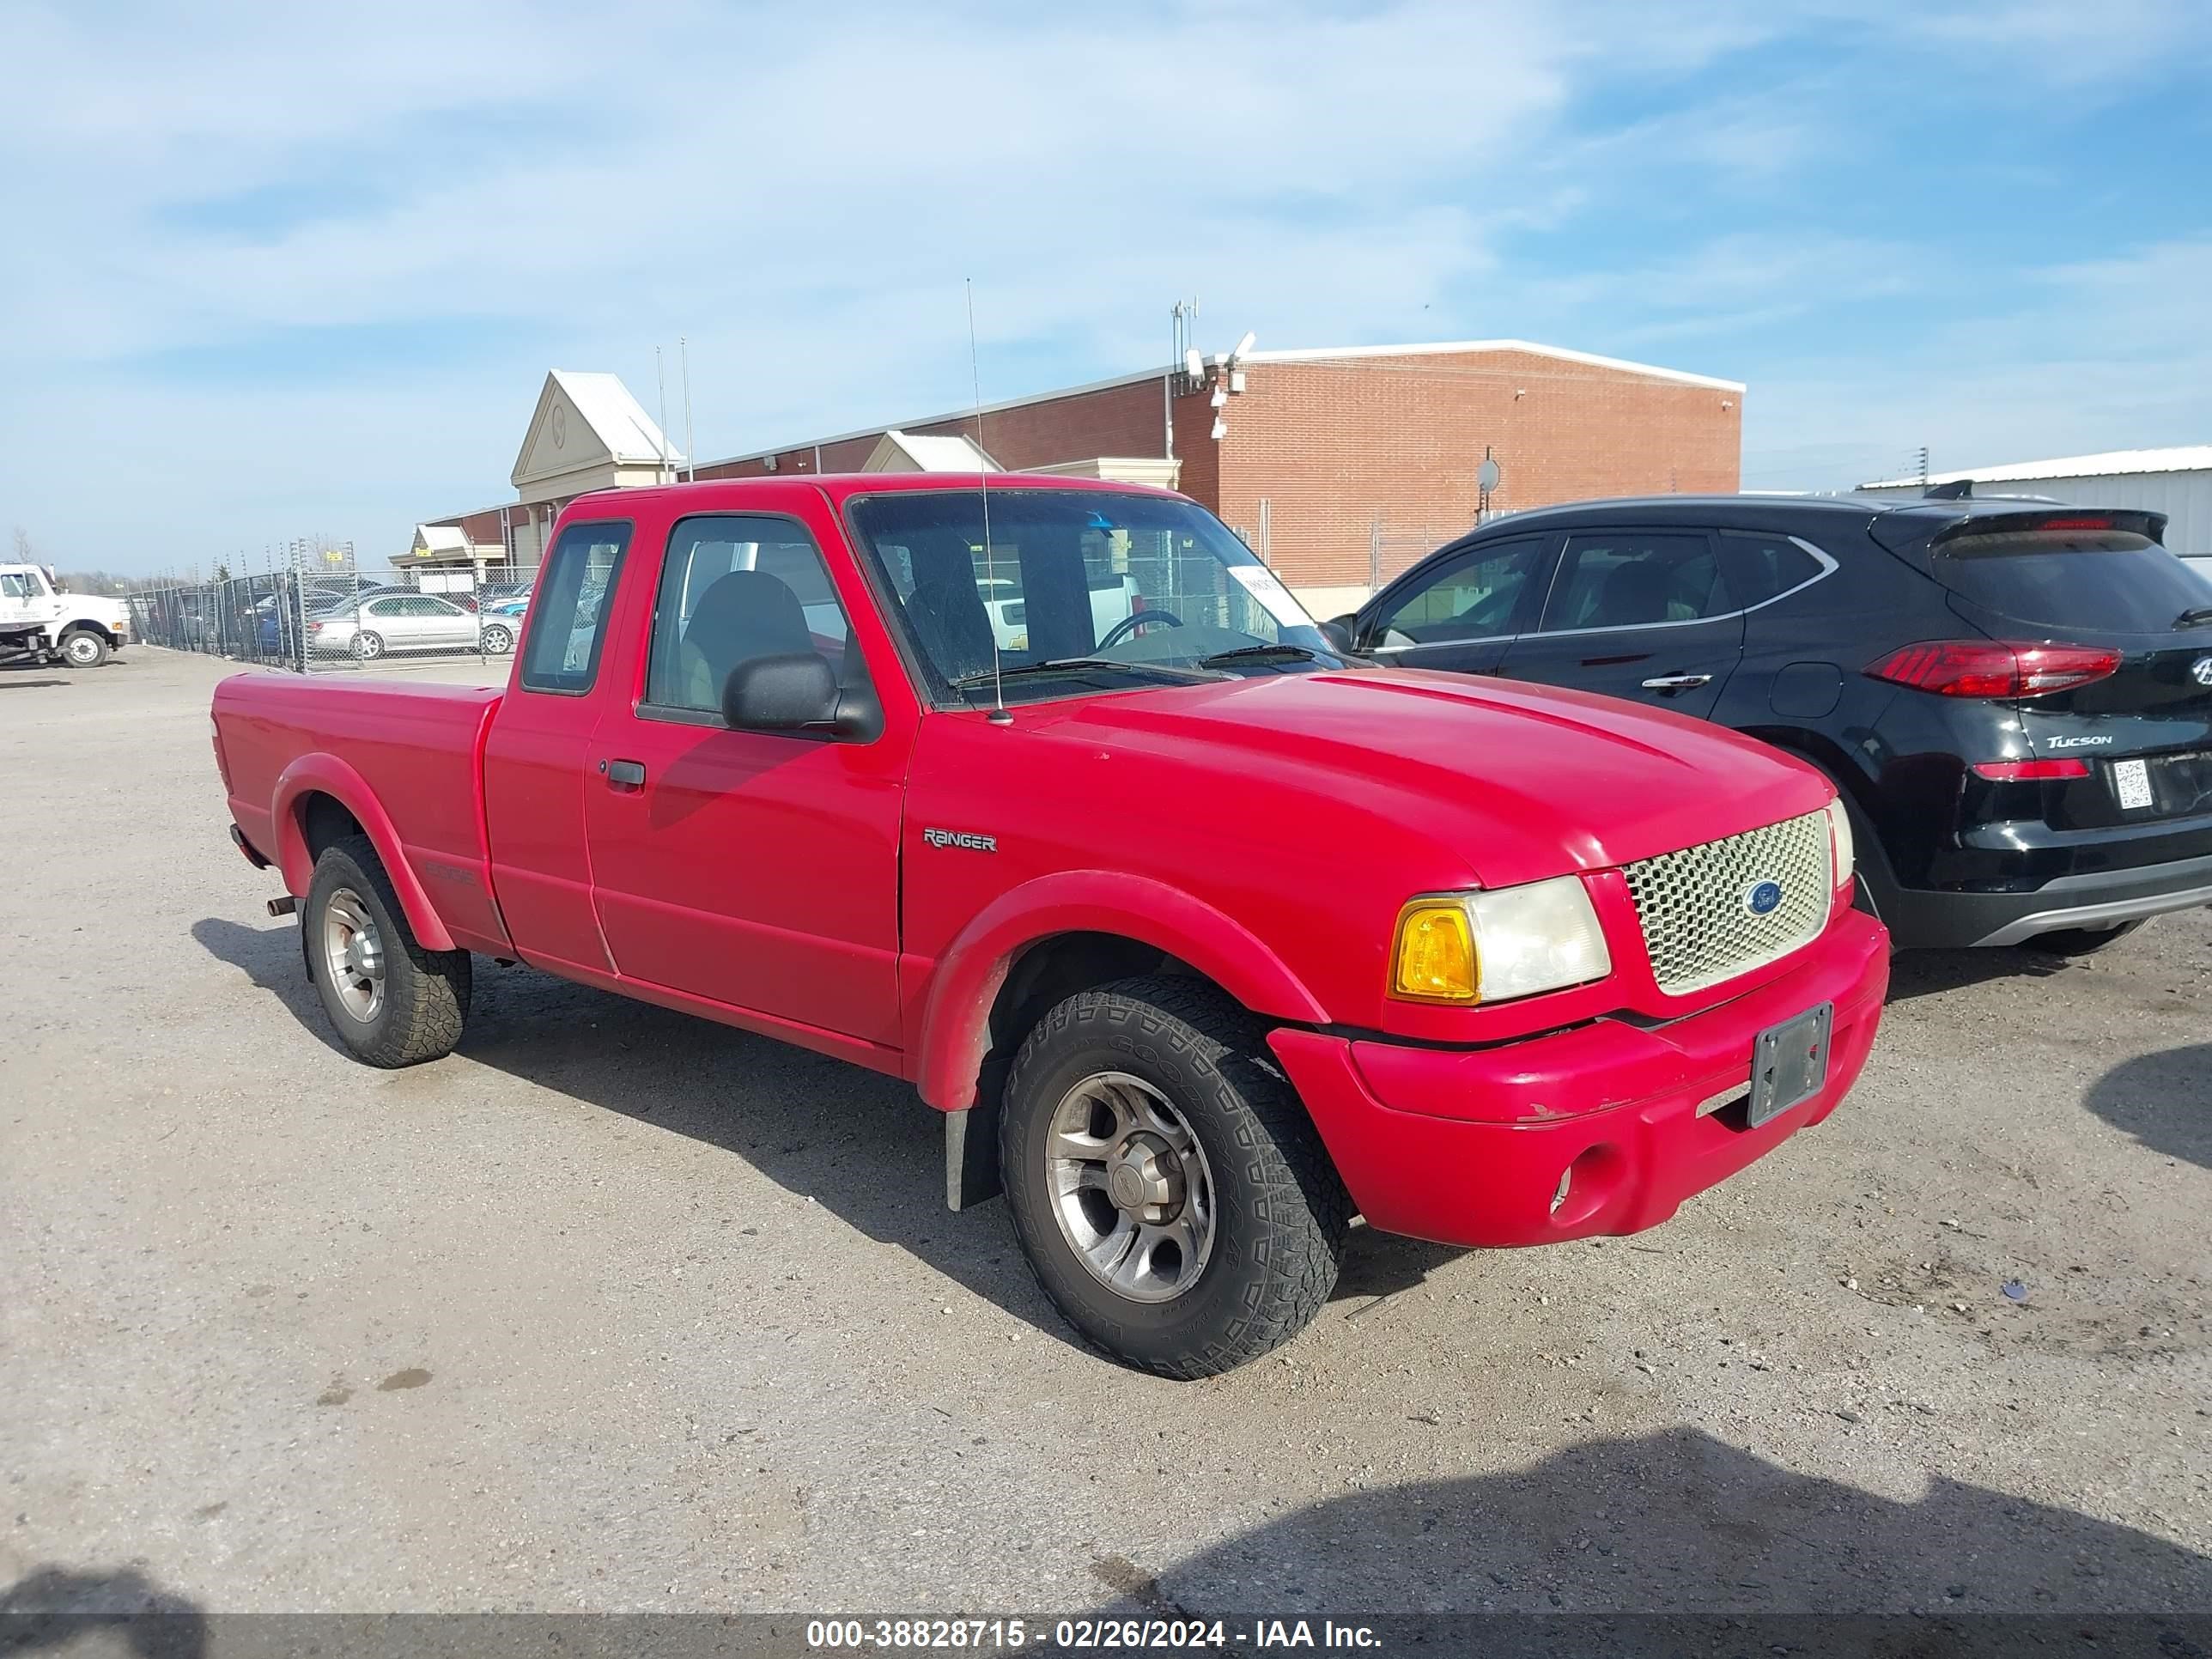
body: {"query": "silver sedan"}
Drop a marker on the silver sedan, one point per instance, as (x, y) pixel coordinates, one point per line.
(397, 621)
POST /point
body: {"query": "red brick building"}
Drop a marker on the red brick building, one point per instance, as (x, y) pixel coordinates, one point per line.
(1341, 466)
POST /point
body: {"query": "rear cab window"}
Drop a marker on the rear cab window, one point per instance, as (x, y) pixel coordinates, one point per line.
(568, 618)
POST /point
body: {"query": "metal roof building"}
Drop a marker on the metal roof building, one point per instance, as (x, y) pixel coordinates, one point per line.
(2175, 481)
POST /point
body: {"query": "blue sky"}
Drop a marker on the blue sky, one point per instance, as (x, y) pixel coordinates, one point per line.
(270, 275)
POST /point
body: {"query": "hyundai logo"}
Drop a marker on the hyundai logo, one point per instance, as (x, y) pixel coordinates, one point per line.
(2201, 670)
(1763, 898)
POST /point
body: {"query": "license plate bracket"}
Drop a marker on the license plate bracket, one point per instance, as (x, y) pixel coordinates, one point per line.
(1789, 1064)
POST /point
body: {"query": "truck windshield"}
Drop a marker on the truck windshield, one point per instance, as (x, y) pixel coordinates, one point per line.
(1122, 589)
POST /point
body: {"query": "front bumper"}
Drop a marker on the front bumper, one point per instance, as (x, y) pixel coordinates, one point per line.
(1468, 1147)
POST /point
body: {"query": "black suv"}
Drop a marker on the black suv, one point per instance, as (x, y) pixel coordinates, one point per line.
(2015, 698)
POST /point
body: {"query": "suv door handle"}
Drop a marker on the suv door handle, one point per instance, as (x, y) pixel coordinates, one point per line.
(623, 774)
(1677, 682)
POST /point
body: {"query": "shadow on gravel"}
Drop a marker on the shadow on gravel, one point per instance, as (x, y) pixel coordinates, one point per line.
(52, 1608)
(17, 680)
(859, 1144)
(1678, 1523)
(2163, 1100)
(1930, 973)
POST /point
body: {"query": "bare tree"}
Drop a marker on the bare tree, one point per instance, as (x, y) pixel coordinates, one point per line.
(27, 551)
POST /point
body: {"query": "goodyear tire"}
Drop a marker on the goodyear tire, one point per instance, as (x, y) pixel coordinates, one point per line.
(1167, 1187)
(391, 1002)
(83, 648)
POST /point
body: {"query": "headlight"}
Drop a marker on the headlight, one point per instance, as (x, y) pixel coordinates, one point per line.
(1465, 948)
(1839, 837)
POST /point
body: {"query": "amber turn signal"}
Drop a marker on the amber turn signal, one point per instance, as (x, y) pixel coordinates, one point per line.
(1432, 958)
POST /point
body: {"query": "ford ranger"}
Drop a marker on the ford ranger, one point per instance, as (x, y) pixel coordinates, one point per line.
(1203, 939)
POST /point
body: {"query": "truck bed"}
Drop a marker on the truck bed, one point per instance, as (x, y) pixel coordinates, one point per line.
(404, 760)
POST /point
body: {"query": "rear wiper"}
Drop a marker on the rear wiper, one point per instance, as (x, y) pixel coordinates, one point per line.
(2195, 615)
(1246, 652)
(1057, 665)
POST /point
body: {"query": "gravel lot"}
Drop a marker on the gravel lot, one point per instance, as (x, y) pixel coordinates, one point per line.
(618, 1309)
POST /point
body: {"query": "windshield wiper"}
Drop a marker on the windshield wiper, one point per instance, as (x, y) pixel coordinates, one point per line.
(1058, 665)
(1250, 653)
(2195, 615)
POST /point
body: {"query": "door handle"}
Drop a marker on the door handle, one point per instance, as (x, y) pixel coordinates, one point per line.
(1677, 682)
(623, 774)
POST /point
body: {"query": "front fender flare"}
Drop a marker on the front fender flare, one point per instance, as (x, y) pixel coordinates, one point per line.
(325, 774)
(954, 1026)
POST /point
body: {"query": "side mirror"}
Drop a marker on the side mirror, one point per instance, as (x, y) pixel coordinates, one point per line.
(797, 693)
(1338, 632)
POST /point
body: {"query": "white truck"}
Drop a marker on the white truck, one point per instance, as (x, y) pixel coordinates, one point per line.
(38, 620)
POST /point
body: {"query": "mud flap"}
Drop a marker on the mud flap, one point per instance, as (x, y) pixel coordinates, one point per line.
(971, 1154)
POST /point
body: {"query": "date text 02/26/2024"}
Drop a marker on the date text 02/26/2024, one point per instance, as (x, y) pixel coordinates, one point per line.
(1083, 1635)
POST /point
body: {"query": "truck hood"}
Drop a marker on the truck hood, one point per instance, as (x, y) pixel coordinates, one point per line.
(1523, 782)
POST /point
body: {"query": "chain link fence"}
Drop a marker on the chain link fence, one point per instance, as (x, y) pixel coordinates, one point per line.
(325, 617)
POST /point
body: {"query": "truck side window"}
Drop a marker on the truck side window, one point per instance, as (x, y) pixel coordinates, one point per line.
(568, 611)
(735, 587)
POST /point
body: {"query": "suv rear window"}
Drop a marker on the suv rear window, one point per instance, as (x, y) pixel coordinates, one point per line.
(2112, 580)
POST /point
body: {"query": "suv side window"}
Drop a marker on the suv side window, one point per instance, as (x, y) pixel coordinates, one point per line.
(1473, 597)
(734, 588)
(1761, 567)
(1635, 578)
(568, 620)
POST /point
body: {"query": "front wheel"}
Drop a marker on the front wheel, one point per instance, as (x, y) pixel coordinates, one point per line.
(391, 1002)
(83, 648)
(1167, 1187)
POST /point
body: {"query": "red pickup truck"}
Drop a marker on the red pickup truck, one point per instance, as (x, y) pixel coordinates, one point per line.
(1048, 796)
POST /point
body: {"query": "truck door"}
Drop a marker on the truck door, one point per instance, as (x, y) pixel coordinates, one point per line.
(534, 766)
(1641, 614)
(758, 870)
(16, 606)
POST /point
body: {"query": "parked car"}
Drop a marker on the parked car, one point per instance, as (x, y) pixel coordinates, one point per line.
(1201, 938)
(397, 623)
(2015, 699)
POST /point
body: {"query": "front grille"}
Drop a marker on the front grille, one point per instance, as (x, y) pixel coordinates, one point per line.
(1695, 906)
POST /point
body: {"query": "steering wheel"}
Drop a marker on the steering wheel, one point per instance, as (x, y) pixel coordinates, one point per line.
(1133, 622)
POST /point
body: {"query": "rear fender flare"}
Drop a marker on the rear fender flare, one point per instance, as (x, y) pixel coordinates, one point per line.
(323, 773)
(954, 1032)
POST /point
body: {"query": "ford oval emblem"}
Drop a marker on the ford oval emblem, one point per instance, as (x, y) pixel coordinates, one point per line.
(2201, 670)
(1763, 898)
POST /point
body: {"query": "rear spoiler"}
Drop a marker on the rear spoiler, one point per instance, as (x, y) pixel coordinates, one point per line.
(1925, 523)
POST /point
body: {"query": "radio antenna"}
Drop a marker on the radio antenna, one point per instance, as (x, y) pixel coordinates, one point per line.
(998, 714)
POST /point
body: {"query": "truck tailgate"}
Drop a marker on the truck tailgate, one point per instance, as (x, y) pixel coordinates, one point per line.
(406, 760)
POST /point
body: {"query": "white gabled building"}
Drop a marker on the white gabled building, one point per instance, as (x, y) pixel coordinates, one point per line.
(2177, 482)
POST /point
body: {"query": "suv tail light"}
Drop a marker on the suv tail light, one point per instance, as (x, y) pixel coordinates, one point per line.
(1994, 668)
(2034, 771)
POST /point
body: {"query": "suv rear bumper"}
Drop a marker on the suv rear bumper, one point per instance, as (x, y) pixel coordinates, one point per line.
(2101, 898)
(1469, 1146)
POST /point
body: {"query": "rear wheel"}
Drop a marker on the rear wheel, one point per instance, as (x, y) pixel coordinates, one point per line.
(2078, 941)
(367, 646)
(1166, 1185)
(497, 641)
(83, 648)
(391, 1002)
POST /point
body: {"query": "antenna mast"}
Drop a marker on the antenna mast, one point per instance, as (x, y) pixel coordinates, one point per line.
(660, 373)
(690, 453)
(998, 714)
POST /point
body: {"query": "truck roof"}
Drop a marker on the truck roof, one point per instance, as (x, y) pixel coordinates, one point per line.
(840, 487)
